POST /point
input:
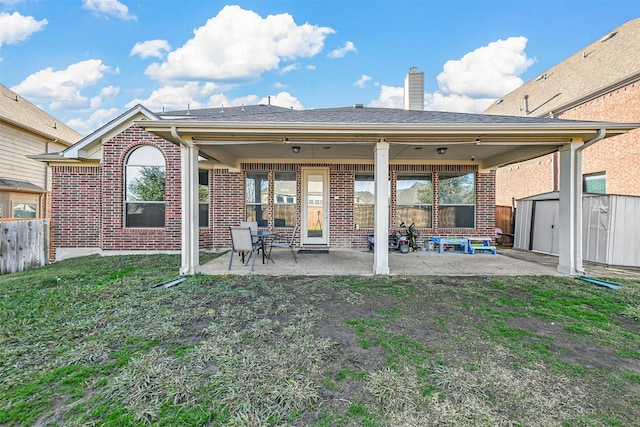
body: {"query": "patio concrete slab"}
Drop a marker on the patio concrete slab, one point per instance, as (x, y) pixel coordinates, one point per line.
(354, 262)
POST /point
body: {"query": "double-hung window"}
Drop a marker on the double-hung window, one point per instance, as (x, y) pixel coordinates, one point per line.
(363, 201)
(257, 198)
(414, 200)
(284, 199)
(145, 188)
(457, 198)
(203, 198)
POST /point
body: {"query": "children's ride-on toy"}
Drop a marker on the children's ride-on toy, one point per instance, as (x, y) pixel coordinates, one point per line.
(399, 240)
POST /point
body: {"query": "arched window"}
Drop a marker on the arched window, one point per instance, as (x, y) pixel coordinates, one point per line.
(144, 183)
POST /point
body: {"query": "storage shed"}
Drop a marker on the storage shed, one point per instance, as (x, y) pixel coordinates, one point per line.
(610, 227)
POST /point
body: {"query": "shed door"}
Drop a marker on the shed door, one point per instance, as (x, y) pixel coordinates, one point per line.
(545, 237)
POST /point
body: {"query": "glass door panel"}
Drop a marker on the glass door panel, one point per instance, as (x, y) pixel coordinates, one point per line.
(315, 210)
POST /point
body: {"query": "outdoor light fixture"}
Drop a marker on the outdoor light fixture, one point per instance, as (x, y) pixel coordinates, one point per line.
(441, 150)
(296, 149)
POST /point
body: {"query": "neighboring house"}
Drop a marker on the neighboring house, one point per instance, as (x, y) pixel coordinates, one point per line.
(25, 129)
(600, 82)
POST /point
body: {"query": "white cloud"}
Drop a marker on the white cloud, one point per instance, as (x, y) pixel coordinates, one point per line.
(362, 81)
(340, 52)
(108, 8)
(176, 97)
(489, 71)
(109, 91)
(390, 97)
(240, 45)
(148, 48)
(61, 89)
(458, 103)
(194, 95)
(15, 27)
(96, 120)
(283, 99)
(289, 68)
(279, 85)
(473, 82)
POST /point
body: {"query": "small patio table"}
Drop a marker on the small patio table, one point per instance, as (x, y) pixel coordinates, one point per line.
(262, 236)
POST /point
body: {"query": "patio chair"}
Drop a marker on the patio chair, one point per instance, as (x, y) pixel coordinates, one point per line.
(253, 226)
(243, 243)
(279, 242)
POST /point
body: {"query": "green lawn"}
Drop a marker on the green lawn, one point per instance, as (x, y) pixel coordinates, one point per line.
(92, 341)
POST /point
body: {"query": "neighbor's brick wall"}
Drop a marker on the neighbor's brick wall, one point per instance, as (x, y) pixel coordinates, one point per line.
(617, 156)
(230, 188)
(526, 179)
(75, 207)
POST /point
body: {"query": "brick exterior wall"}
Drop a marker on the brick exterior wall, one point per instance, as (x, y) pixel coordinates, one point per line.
(88, 202)
(114, 234)
(229, 196)
(75, 207)
(617, 156)
(524, 179)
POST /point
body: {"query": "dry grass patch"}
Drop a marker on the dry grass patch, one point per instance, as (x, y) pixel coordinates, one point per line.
(102, 346)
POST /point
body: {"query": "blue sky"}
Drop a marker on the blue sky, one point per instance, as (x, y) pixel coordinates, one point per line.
(87, 61)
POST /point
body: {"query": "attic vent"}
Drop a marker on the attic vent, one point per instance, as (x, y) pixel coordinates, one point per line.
(358, 105)
(608, 36)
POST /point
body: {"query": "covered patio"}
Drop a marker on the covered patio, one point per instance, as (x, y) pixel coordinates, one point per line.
(382, 138)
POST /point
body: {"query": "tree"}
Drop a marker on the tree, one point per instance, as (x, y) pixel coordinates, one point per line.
(457, 189)
(148, 186)
(425, 192)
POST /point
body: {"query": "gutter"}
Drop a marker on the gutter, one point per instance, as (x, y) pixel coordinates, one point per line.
(178, 138)
(602, 132)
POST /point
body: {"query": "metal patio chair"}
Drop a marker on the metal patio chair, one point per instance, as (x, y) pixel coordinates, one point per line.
(279, 242)
(243, 243)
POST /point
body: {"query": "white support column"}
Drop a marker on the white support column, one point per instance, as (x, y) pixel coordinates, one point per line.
(190, 237)
(381, 218)
(570, 230)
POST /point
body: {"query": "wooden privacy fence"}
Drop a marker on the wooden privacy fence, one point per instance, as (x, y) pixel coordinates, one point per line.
(505, 220)
(23, 244)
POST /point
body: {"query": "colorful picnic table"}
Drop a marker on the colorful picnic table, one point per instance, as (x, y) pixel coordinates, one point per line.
(455, 241)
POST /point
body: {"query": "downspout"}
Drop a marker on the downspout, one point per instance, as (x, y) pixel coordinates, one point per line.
(578, 208)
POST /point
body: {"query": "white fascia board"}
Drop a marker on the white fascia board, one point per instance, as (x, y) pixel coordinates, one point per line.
(374, 130)
(90, 146)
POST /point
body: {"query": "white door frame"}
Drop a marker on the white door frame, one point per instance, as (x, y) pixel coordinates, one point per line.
(318, 233)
